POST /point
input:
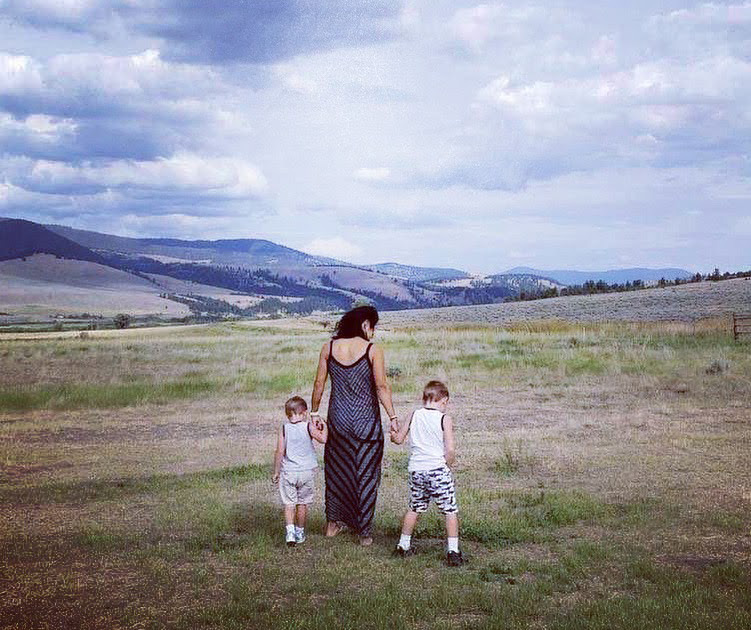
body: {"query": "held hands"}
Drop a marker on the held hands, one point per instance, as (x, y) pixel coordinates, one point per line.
(317, 421)
(393, 428)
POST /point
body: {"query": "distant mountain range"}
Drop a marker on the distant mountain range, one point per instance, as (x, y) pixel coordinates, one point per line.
(614, 276)
(280, 278)
(418, 274)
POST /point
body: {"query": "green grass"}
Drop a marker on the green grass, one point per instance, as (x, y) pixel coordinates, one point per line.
(205, 549)
(85, 395)
(115, 489)
(281, 382)
(515, 456)
(663, 597)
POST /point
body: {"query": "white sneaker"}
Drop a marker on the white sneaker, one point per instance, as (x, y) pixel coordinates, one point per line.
(291, 539)
(299, 537)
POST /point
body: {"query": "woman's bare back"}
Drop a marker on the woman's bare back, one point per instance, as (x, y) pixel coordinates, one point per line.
(348, 351)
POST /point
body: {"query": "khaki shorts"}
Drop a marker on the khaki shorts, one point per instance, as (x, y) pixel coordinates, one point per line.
(296, 488)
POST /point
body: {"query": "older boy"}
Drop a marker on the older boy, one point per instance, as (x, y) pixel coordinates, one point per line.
(431, 452)
(294, 465)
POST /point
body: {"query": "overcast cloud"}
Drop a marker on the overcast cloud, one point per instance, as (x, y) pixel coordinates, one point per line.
(478, 136)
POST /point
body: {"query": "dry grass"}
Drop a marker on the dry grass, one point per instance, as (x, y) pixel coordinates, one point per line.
(603, 477)
(684, 303)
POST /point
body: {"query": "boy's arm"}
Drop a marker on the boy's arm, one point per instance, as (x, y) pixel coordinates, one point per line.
(399, 435)
(319, 435)
(449, 447)
(278, 455)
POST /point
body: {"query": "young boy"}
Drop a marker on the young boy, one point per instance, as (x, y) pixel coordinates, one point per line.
(294, 464)
(431, 452)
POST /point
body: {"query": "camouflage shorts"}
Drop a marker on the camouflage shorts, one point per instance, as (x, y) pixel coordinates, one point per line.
(438, 485)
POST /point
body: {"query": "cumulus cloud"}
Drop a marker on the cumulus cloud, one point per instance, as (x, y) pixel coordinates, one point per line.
(708, 14)
(188, 115)
(96, 84)
(372, 174)
(336, 247)
(224, 31)
(71, 14)
(177, 176)
(477, 26)
(37, 135)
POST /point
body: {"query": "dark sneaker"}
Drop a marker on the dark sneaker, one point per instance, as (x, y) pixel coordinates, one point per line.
(454, 559)
(403, 553)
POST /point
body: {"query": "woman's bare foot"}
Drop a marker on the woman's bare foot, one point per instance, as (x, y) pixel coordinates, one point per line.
(366, 541)
(333, 528)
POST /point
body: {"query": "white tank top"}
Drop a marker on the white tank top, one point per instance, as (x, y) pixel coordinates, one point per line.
(426, 451)
(299, 453)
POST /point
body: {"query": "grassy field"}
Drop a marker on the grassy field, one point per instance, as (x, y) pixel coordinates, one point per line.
(604, 479)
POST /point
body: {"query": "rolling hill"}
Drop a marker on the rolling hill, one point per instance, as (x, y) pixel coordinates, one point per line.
(246, 277)
(43, 285)
(246, 252)
(613, 276)
(20, 238)
(418, 274)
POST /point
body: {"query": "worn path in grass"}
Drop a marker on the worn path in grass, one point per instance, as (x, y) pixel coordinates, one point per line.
(603, 481)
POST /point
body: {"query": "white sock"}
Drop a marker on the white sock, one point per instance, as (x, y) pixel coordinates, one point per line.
(405, 541)
(290, 531)
(299, 531)
(453, 545)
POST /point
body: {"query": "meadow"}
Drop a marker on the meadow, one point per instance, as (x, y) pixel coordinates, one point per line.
(604, 479)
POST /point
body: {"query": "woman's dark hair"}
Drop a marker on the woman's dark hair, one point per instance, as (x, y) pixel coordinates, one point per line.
(350, 325)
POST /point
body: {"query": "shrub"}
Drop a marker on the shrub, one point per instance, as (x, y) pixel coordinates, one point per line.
(394, 372)
(122, 320)
(718, 366)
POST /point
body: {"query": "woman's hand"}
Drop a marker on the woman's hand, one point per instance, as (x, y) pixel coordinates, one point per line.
(275, 477)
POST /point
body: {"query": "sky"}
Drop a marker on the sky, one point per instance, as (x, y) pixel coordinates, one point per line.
(557, 134)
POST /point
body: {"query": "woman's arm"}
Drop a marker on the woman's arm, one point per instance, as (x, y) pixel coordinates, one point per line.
(382, 385)
(320, 382)
(399, 435)
(449, 448)
(278, 455)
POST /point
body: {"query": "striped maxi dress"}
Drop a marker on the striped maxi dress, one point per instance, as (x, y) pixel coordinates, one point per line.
(354, 448)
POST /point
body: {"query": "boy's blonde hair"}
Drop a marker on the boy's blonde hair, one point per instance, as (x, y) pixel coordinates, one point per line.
(434, 391)
(295, 405)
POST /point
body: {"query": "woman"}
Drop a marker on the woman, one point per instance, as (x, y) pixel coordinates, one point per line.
(354, 449)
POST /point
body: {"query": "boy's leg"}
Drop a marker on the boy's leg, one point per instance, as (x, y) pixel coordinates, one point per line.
(444, 493)
(452, 533)
(408, 526)
(289, 515)
(305, 492)
(289, 521)
(452, 526)
(288, 494)
(408, 522)
(301, 515)
(419, 499)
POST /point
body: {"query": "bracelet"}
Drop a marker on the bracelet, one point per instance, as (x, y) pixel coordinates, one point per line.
(393, 417)
(315, 413)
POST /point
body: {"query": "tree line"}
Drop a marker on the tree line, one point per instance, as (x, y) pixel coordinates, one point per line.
(591, 287)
